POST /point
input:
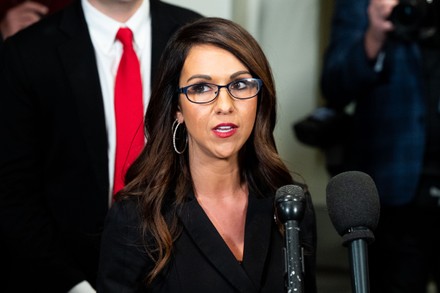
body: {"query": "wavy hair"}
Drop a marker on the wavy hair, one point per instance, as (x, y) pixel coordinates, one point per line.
(160, 178)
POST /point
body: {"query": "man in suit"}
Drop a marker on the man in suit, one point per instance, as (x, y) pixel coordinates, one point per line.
(58, 134)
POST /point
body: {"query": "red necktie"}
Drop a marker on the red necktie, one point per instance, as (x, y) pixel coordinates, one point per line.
(128, 109)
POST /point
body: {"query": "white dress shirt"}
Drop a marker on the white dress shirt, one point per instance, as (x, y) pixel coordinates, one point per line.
(108, 53)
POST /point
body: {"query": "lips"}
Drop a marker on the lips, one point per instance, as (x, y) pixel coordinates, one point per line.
(225, 130)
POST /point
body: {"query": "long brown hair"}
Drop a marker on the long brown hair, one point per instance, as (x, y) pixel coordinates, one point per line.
(160, 178)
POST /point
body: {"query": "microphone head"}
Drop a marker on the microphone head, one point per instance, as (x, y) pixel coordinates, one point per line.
(353, 202)
(290, 203)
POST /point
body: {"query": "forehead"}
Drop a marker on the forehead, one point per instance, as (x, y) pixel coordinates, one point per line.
(211, 60)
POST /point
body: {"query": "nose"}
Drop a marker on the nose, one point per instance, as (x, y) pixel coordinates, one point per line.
(224, 101)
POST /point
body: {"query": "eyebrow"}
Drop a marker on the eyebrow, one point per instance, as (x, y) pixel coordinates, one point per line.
(207, 77)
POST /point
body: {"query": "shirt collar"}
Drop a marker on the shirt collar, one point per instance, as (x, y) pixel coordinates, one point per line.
(103, 28)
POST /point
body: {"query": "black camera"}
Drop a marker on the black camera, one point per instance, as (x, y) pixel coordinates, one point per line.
(416, 20)
(323, 128)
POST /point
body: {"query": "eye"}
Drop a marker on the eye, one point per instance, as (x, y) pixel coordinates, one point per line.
(242, 84)
(200, 88)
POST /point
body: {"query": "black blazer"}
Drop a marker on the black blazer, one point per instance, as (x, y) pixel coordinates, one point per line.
(53, 152)
(201, 261)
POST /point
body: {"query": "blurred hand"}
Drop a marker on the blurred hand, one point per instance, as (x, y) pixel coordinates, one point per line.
(21, 16)
(379, 25)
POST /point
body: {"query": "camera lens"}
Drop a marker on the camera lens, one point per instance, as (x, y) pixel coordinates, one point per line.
(405, 14)
(406, 18)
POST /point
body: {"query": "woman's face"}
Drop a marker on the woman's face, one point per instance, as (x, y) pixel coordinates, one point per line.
(220, 128)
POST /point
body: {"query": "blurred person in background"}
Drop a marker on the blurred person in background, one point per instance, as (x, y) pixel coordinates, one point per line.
(384, 55)
(16, 15)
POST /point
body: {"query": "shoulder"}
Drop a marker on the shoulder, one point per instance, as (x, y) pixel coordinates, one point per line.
(124, 261)
(122, 229)
(177, 13)
(124, 212)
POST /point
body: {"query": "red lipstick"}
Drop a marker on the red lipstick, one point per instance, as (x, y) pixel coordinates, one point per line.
(225, 130)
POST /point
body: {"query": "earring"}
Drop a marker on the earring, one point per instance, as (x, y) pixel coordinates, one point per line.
(174, 130)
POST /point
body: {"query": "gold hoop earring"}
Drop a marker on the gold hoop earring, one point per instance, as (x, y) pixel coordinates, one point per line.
(174, 130)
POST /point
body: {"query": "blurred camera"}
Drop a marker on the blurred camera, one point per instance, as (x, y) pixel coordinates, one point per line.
(416, 20)
(323, 128)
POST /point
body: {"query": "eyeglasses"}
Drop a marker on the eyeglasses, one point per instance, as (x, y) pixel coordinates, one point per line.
(204, 93)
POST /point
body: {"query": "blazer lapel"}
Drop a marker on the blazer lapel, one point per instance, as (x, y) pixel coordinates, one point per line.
(206, 237)
(259, 225)
(162, 27)
(78, 58)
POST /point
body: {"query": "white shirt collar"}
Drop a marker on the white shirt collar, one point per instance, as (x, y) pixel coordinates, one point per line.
(103, 28)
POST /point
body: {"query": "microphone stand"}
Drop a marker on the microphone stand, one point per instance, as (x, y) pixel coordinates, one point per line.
(357, 240)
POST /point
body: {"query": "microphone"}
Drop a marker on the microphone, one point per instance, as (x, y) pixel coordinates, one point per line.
(353, 206)
(290, 207)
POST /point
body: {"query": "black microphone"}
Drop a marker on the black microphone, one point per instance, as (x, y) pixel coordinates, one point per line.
(353, 206)
(290, 207)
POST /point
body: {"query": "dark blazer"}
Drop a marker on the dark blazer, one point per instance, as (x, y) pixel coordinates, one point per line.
(201, 261)
(53, 157)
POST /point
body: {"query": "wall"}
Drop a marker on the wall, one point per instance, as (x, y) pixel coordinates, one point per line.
(289, 34)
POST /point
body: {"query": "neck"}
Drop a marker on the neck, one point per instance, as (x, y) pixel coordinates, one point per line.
(217, 180)
(222, 191)
(119, 10)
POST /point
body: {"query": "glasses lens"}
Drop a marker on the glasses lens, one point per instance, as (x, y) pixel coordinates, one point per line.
(205, 92)
(244, 88)
(202, 92)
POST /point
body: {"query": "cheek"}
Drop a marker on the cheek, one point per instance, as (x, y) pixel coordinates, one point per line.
(249, 117)
(195, 119)
(251, 111)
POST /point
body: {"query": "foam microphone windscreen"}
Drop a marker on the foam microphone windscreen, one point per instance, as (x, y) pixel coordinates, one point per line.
(353, 201)
(289, 190)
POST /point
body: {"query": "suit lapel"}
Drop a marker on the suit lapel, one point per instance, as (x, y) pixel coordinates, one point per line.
(259, 225)
(162, 27)
(78, 58)
(206, 237)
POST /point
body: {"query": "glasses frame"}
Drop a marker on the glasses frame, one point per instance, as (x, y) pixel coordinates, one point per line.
(184, 90)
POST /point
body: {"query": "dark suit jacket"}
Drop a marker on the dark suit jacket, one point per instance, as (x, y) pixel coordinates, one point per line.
(201, 261)
(53, 157)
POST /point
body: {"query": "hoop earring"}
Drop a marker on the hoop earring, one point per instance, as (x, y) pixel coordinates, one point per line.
(174, 130)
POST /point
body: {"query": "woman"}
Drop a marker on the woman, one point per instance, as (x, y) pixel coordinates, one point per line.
(197, 214)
